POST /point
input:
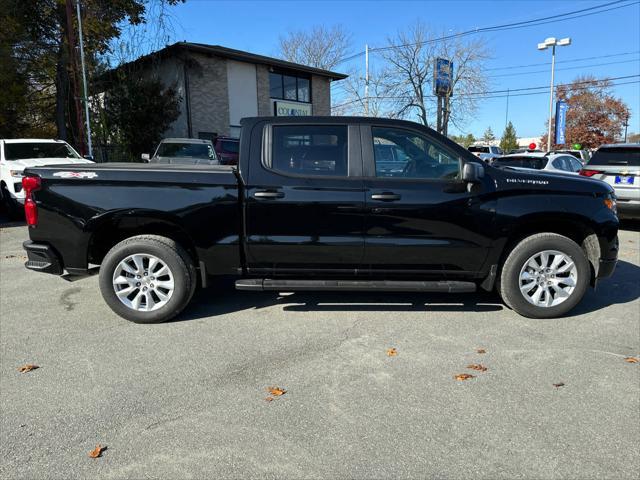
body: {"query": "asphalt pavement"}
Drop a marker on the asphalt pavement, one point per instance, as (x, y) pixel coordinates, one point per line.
(188, 399)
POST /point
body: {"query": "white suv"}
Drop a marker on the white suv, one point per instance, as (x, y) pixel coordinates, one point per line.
(20, 153)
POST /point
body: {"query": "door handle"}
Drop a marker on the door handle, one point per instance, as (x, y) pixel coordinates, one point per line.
(385, 197)
(267, 194)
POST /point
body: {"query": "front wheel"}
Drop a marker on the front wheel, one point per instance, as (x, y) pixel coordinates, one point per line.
(147, 279)
(544, 276)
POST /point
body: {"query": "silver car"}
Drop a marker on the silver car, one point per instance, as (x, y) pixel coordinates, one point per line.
(549, 162)
(619, 165)
(184, 151)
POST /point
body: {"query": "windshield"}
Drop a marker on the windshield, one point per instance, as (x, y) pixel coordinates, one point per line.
(229, 146)
(182, 150)
(479, 149)
(537, 163)
(22, 151)
(616, 156)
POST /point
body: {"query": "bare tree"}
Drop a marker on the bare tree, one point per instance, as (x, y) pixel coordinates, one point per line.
(351, 99)
(320, 47)
(408, 74)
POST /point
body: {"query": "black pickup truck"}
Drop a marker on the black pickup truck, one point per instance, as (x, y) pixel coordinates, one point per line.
(324, 203)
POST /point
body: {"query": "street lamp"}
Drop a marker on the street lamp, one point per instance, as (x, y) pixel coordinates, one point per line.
(552, 42)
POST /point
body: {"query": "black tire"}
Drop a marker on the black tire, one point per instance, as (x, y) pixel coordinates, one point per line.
(509, 279)
(174, 257)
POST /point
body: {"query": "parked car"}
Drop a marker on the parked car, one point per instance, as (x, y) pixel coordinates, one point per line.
(619, 166)
(311, 206)
(486, 152)
(20, 153)
(184, 151)
(227, 149)
(549, 162)
(582, 155)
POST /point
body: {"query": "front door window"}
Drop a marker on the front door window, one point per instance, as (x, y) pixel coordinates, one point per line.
(404, 154)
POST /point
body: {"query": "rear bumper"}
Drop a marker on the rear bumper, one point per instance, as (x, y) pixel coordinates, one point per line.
(628, 209)
(42, 258)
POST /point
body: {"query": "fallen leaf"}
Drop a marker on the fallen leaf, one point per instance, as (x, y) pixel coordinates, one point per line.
(478, 367)
(276, 391)
(27, 368)
(269, 399)
(631, 360)
(558, 385)
(481, 350)
(391, 352)
(463, 376)
(97, 452)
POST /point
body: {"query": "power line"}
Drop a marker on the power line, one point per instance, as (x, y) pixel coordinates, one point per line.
(566, 68)
(563, 61)
(509, 26)
(491, 94)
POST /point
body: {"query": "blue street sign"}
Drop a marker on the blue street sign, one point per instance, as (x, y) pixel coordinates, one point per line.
(561, 121)
(443, 77)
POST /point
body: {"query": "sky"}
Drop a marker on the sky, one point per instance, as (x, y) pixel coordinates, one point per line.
(613, 37)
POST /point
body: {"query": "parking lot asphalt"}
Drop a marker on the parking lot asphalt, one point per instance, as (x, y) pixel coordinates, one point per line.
(187, 399)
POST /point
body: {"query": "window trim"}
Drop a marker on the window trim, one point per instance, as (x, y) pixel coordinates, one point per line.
(354, 159)
(369, 167)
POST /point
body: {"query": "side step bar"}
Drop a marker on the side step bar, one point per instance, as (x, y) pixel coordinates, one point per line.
(267, 284)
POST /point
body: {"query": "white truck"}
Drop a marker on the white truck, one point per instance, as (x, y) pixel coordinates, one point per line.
(20, 153)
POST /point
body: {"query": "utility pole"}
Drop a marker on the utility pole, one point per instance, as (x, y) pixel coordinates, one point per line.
(506, 115)
(366, 80)
(71, 42)
(84, 81)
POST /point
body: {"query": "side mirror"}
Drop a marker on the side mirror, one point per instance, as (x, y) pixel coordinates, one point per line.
(88, 157)
(472, 172)
(145, 157)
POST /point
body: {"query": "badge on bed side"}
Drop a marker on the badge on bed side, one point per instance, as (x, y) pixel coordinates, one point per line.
(75, 174)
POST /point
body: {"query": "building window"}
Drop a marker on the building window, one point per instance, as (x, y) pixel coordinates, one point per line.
(289, 87)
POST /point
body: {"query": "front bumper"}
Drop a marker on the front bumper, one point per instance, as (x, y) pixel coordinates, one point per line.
(42, 258)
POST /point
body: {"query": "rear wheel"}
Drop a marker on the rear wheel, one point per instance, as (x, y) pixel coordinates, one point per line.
(544, 276)
(147, 279)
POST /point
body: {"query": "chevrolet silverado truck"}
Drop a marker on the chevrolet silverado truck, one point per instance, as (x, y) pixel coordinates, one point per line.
(314, 205)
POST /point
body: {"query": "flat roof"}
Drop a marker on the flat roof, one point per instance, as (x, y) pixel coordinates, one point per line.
(233, 54)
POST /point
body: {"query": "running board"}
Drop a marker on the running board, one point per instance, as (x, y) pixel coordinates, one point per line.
(267, 284)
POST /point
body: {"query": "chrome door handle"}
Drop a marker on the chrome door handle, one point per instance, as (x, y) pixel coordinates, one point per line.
(266, 194)
(385, 197)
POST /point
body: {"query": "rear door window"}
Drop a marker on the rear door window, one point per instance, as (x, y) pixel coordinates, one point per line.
(625, 156)
(310, 150)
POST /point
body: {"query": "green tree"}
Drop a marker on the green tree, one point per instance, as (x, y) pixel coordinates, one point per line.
(137, 112)
(488, 136)
(509, 140)
(42, 40)
(464, 140)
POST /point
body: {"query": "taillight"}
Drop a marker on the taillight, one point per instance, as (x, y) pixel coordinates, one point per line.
(589, 173)
(30, 185)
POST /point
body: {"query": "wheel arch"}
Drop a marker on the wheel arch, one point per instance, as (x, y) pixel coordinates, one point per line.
(112, 229)
(579, 229)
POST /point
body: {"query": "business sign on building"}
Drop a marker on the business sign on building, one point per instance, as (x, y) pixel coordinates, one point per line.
(290, 109)
(443, 77)
(561, 121)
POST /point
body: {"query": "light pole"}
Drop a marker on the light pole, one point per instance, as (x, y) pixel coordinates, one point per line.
(552, 42)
